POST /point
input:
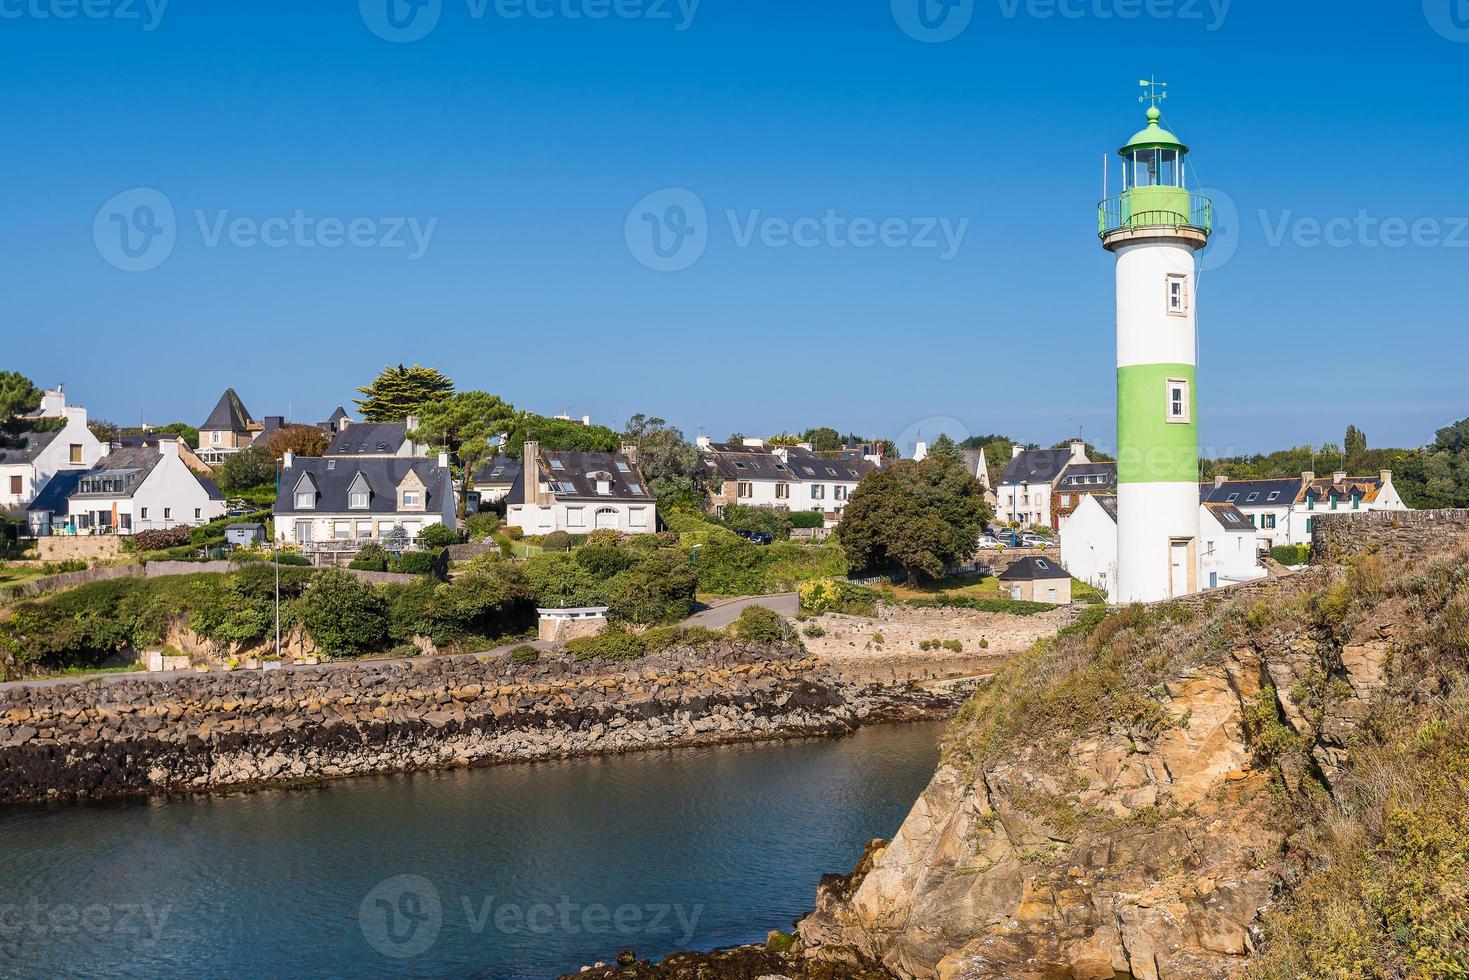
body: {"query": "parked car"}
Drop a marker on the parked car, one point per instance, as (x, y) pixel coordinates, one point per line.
(1035, 541)
(987, 542)
(757, 537)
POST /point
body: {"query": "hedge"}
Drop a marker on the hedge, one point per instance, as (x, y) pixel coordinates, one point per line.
(1291, 554)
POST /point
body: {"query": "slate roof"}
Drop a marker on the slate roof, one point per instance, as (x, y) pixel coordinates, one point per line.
(1032, 568)
(133, 463)
(750, 463)
(1247, 494)
(1036, 466)
(1080, 476)
(54, 494)
(1109, 504)
(1230, 517)
(332, 477)
(229, 414)
(574, 476)
(500, 470)
(31, 445)
(1321, 489)
(368, 439)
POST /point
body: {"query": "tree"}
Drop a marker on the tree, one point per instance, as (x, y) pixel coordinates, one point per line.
(946, 447)
(17, 395)
(1355, 442)
(246, 469)
(1092, 452)
(464, 424)
(675, 473)
(341, 614)
(399, 392)
(104, 430)
(184, 431)
(784, 439)
(918, 516)
(824, 440)
(564, 435)
(300, 440)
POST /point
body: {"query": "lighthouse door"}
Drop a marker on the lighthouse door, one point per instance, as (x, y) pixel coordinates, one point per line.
(1178, 568)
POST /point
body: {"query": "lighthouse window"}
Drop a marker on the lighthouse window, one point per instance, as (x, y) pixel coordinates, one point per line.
(1177, 400)
(1168, 168)
(1177, 295)
(1145, 168)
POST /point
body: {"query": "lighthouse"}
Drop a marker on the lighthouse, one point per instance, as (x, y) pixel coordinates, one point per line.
(1155, 227)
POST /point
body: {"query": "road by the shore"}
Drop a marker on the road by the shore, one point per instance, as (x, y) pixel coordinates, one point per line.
(725, 612)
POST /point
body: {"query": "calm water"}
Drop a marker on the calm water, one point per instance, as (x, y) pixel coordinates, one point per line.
(520, 871)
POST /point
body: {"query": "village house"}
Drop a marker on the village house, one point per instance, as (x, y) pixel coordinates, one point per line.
(753, 474)
(376, 439)
(34, 457)
(1035, 579)
(580, 492)
(132, 489)
(1225, 553)
(493, 481)
(228, 429)
(150, 440)
(1284, 511)
(1041, 486)
(331, 506)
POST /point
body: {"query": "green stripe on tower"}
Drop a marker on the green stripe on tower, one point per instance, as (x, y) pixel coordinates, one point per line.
(1151, 449)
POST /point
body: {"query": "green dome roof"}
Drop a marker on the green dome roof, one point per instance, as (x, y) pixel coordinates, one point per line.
(1152, 138)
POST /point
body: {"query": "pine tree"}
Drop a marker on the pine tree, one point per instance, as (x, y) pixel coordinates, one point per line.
(399, 392)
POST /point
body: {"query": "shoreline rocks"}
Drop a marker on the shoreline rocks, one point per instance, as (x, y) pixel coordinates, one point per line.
(131, 734)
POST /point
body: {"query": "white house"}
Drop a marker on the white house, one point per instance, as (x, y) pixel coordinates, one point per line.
(580, 492)
(494, 480)
(332, 505)
(1283, 511)
(1040, 487)
(140, 488)
(1226, 554)
(35, 457)
(753, 474)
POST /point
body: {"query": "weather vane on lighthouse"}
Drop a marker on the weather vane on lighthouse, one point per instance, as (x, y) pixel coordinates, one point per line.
(1157, 91)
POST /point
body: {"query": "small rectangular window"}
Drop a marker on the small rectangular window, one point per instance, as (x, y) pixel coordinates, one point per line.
(168, 513)
(1177, 294)
(305, 500)
(76, 453)
(1177, 400)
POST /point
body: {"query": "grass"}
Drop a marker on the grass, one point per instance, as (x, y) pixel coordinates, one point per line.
(987, 587)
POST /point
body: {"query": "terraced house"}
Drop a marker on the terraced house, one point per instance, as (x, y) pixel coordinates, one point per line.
(754, 474)
(1284, 511)
(1039, 487)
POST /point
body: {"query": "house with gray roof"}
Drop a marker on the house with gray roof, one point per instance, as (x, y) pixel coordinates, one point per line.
(228, 429)
(56, 441)
(1040, 487)
(1284, 511)
(131, 489)
(754, 474)
(331, 506)
(580, 492)
(494, 480)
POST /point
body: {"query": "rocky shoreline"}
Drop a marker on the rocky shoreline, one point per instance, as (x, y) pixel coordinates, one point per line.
(132, 734)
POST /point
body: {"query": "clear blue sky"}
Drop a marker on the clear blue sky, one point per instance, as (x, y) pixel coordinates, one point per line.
(529, 141)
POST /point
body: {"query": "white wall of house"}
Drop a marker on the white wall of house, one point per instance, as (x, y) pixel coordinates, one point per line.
(1226, 555)
(73, 448)
(169, 496)
(1027, 503)
(1089, 545)
(351, 526)
(1302, 519)
(584, 516)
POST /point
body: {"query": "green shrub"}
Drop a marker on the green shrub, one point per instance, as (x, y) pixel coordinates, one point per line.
(514, 532)
(342, 615)
(556, 541)
(415, 563)
(292, 558)
(954, 646)
(525, 654)
(759, 625)
(833, 595)
(808, 519)
(172, 537)
(1291, 554)
(482, 525)
(949, 600)
(605, 560)
(814, 631)
(612, 644)
(487, 598)
(436, 537)
(371, 557)
(772, 520)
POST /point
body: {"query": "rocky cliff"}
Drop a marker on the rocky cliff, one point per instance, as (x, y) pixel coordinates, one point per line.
(1269, 780)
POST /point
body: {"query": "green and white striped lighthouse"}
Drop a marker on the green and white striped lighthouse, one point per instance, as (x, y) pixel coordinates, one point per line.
(1155, 227)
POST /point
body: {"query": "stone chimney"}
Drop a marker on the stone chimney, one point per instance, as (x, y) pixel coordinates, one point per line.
(702, 442)
(287, 459)
(586, 420)
(1219, 480)
(411, 422)
(53, 403)
(754, 442)
(1307, 476)
(1078, 451)
(1385, 476)
(1340, 476)
(342, 423)
(630, 450)
(531, 455)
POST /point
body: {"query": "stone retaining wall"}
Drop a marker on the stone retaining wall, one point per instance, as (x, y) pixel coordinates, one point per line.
(1400, 532)
(139, 733)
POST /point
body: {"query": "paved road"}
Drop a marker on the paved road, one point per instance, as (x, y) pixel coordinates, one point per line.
(728, 610)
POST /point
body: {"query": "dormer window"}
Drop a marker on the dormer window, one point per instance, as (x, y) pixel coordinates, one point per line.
(604, 487)
(410, 498)
(305, 499)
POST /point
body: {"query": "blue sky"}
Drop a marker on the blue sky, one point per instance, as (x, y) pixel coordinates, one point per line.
(519, 147)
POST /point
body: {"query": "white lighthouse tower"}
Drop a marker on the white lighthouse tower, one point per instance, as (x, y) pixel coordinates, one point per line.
(1155, 227)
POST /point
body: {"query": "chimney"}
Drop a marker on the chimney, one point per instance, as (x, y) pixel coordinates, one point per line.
(586, 420)
(1078, 451)
(1308, 477)
(53, 403)
(1385, 476)
(920, 451)
(342, 423)
(703, 442)
(1219, 479)
(531, 455)
(754, 442)
(805, 445)
(630, 450)
(1015, 451)
(443, 461)
(1340, 476)
(411, 422)
(168, 447)
(287, 459)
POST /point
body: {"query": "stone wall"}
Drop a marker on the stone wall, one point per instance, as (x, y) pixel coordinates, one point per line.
(1395, 532)
(92, 547)
(140, 733)
(155, 569)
